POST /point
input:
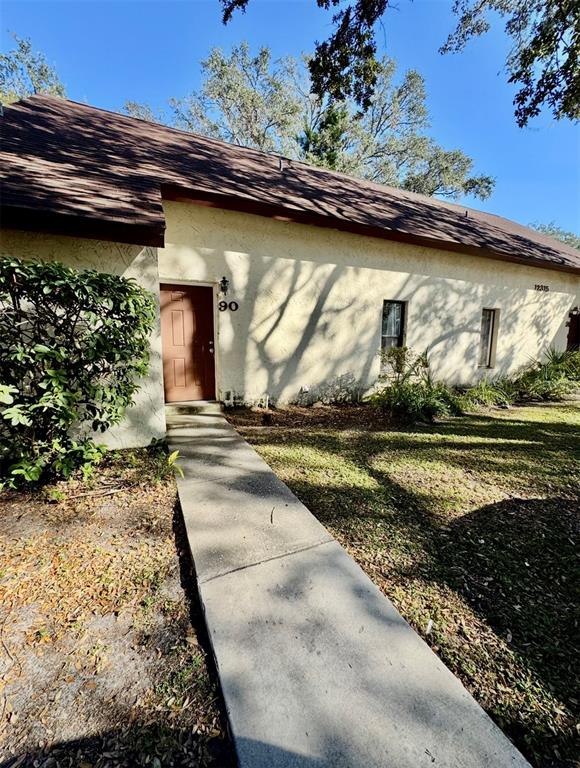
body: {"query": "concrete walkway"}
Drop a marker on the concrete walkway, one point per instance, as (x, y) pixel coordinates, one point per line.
(316, 666)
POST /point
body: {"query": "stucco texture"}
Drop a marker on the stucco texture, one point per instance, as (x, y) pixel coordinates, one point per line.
(308, 325)
(310, 303)
(146, 419)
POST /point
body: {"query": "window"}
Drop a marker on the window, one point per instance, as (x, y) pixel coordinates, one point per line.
(489, 322)
(393, 324)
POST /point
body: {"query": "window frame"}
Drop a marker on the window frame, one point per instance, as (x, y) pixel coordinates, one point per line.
(400, 337)
(488, 361)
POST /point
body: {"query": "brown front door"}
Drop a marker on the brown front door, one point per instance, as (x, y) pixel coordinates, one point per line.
(188, 343)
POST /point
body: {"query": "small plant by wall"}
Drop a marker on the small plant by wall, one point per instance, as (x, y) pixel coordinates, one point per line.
(552, 378)
(74, 345)
(410, 391)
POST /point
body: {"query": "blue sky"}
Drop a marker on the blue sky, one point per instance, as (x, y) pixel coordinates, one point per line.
(107, 52)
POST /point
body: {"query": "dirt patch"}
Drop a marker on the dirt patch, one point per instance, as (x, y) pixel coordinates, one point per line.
(99, 662)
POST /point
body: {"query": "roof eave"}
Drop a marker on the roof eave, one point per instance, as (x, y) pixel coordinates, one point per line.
(282, 213)
(138, 233)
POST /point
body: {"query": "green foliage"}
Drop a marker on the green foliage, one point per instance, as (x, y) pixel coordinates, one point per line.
(417, 400)
(74, 344)
(545, 58)
(163, 464)
(401, 364)
(557, 375)
(24, 73)
(143, 112)
(244, 99)
(389, 143)
(345, 65)
(325, 142)
(153, 464)
(268, 105)
(411, 393)
(552, 378)
(488, 393)
(553, 230)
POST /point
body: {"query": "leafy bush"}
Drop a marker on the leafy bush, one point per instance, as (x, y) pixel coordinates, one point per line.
(411, 393)
(74, 344)
(550, 379)
(486, 393)
(418, 400)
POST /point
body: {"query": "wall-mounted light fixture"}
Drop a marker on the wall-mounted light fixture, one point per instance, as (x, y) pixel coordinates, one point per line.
(224, 285)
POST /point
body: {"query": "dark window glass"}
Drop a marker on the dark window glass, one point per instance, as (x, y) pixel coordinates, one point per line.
(486, 341)
(393, 324)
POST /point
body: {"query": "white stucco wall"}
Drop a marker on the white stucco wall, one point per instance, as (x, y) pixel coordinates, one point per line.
(146, 419)
(310, 303)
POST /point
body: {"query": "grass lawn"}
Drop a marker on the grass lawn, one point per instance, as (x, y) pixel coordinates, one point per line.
(100, 665)
(470, 527)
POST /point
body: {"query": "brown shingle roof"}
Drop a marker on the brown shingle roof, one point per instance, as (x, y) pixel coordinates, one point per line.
(72, 168)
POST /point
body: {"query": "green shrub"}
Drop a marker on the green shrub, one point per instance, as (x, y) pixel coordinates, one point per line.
(486, 393)
(552, 378)
(401, 364)
(74, 344)
(557, 375)
(410, 392)
(417, 400)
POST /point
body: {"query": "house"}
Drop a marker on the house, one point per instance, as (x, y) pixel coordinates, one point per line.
(276, 281)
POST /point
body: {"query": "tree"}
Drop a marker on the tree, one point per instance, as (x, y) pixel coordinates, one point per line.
(326, 142)
(244, 99)
(24, 73)
(553, 230)
(142, 112)
(544, 60)
(268, 105)
(344, 66)
(389, 143)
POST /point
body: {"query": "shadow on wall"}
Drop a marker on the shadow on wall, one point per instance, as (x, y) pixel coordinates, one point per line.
(320, 339)
(451, 318)
(300, 334)
(341, 389)
(145, 420)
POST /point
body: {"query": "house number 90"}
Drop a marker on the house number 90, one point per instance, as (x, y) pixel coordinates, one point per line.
(232, 306)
